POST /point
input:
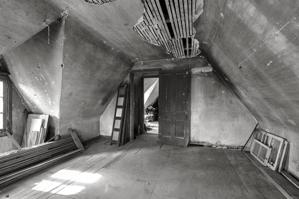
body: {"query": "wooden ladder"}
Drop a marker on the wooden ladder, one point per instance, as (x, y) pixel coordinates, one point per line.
(119, 127)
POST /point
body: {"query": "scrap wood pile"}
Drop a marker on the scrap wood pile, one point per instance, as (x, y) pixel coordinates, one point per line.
(17, 164)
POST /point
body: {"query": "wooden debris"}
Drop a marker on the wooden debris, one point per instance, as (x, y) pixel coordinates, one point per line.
(17, 164)
(76, 139)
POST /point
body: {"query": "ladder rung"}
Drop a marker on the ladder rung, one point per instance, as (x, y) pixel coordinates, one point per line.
(120, 107)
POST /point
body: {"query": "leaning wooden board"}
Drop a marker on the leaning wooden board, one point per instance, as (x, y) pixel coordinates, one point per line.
(18, 164)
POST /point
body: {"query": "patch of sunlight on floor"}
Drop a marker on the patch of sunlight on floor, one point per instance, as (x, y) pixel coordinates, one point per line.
(67, 190)
(46, 185)
(67, 182)
(77, 176)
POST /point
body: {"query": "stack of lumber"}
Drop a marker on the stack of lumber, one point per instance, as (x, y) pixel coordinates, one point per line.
(15, 165)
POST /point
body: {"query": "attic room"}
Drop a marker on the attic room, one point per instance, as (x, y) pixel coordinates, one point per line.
(149, 99)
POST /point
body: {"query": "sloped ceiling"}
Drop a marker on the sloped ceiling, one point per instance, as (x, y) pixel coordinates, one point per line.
(20, 20)
(114, 22)
(254, 45)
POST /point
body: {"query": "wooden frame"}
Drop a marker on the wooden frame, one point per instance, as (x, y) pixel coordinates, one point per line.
(263, 149)
(7, 105)
(26, 141)
(136, 85)
(151, 72)
(170, 24)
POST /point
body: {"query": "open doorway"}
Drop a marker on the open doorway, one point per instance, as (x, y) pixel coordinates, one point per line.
(151, 105)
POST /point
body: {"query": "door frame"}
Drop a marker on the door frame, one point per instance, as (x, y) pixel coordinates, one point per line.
(135, 96)
(136, 85)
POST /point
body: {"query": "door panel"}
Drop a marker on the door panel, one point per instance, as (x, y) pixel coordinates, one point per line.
(166, 128)
(180, 129)
(174, 120)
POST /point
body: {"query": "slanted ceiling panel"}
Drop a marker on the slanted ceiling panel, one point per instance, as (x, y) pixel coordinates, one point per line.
(169, 23)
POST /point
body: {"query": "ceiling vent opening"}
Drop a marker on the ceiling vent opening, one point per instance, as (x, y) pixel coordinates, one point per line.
(169, 23)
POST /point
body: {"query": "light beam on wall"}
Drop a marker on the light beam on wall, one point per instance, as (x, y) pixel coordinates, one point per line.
(169, 23)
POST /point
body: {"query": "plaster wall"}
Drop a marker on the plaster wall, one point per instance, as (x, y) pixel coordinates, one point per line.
(91, 74)
(256, 50)
(217, 116)
(35, 70)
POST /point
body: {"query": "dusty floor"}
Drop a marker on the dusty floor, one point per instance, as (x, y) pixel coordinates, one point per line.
(144, 169)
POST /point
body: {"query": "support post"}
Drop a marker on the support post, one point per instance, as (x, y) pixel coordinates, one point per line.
(132, 106)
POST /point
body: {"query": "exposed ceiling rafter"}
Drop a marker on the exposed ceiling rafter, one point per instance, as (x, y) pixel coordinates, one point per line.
(169, 23)
(98, 2)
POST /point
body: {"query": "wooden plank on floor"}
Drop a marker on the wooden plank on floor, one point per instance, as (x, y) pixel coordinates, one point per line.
(76, 139)
(291, 178)
(270, 179)
(33, 169)
(19, 153)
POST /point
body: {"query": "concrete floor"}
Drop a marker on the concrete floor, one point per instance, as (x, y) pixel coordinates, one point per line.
(144, 169)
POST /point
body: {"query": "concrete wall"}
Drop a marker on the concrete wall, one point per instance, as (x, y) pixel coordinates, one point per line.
(35, 68)
(217, 116)
(91, 74)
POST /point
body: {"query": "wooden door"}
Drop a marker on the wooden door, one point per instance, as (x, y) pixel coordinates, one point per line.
(174, 107)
